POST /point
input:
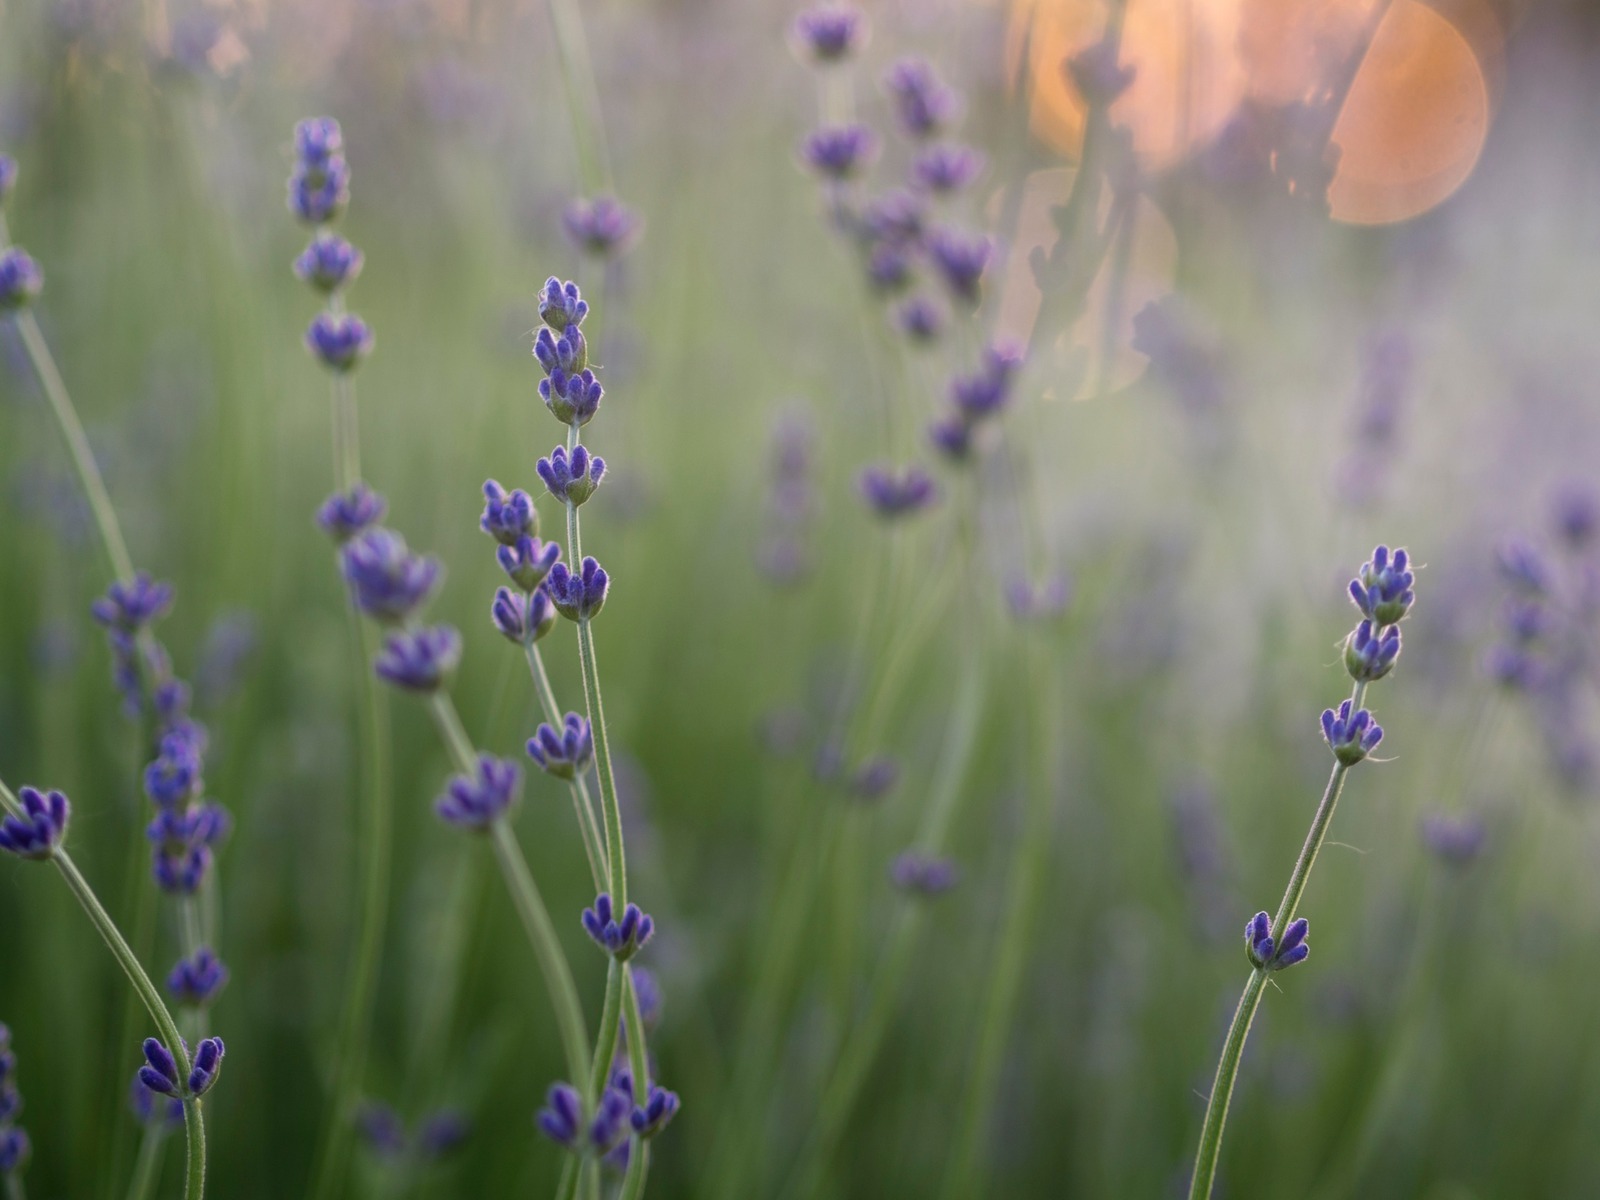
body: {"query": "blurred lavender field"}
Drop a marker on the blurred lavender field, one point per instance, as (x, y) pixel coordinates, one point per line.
(949, 791)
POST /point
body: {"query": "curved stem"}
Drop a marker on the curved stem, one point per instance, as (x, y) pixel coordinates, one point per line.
(194, 1125)
(581, 803)
(1205, 1165)
(615, 858)
(605, 1044)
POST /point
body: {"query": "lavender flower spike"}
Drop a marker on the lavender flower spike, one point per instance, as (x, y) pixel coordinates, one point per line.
(41, 828)
(1368, 656)
(389, 581)
(130, 607)
(507, 516)
(961, 259)
(1383, 589)
(328, 262)
(839, 152)
(20, 279)
(522, 617)
(528, 561)
(477, 803)
(573, 480)
(896, 495)
(420, 661)
(566, 753)
(561, 305)
(923, 875)
(15, 1150)
(604, 226)
(339, 340)
(621, 938)
(1350, 735)
(579, 597)
(345, 515)
(923, 105)
(317, 140)
(830, 33)
(199, 980)
(947, 167)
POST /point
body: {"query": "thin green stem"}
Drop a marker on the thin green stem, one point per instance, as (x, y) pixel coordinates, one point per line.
(616, 860)
(194, 1124)
(546, 945)
(14, 1189)
(567, 1186)
(583, 96)
(582, 805)
(638, 1171)
(146, 1166)
(605, 1044)
(1205, 1165)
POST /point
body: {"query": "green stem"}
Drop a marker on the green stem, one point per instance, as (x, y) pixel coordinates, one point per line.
(1205, 1165)
(638, 1170)
(567, 1187)
(148, 1162)
(581, 803)
(583, 96)
(14, 1190)
(615, 858)
(194, 1124)
(605, 1044)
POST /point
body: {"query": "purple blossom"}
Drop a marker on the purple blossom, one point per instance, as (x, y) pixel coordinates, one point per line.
(198, 980)
(134, 605)
(952, 436)
(1577, 516)
(568, 353)
(898, 216)
(345, 515)
(921, 318)
(893, 494)
(888, 267)
(562, 1116)
(507, 516)
(985, 392)
(523, 617)
(603, 226)
(565, 753)
(619, 935)
(20, 279)
(339, 340)
(839, 151)
(1369, 656)
(318, 194)
(317, 140)
(579, 596)
(651, 1117)
(875, 778)
(328, 262)
(388, 581)
(182, 845)
(477, 802)
(40, 828)
(923, 875)
(571, 480)
(572, 399)
(15, 1150)
(830, 33)
(1097, 74)
(528, 561)
(946, 167)
(1261, 952)
(174, 776)
(561, 305)
(149, 1108)
(419, 660)
(383, 1131)
(961, 259)
(922, 104)
(1454, 839)
(1031, 601)
(1383, 589)
(1351, 735)
(648, 993)
(1514, 667)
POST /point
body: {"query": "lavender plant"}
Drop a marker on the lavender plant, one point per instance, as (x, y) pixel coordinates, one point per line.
(1383, 592)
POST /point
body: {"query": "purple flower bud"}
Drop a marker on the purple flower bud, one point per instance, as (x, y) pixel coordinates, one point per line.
(603, 226)
(1513, 666)
(894, 494)
(985, 392)
(923, 875)
(947, 167)
(1368, 656)
(922, 104)
(507, 516)
(345, 515)
(443, 1133)
(523, 617)
(651, 1117)
(318, 194)
(207, 1066)
(1456, 840)
(581, 596)
(198, 980)
(328, 262)
(1258, 945)
(317, 140)
(41, 827)
(1293, 948)
(1032, 602)
(339, 340)
(899, 217)
(477, 803)
(889, 267)
(571, 481)
(961, 259)
(561, 1116)
(529, 561)
(829, 33)
(15, 1150)
(921, 318)
(1383, 590)
(8, 176)
(20, 279)
(1097, 74)
(953, 436)
(568, 352)
(419, 660)
(160, 1072)
(130, 607)
(840, 151)
(572, 399)
(1524, 568)
(619, 935)
(388, 581)
(561, 305)
(174, 777)
(565, 753)
(875, 778)
(610, 1124)
(1350, 735)
(383, 1131)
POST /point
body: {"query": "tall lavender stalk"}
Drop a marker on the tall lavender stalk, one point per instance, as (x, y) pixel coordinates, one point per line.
(1383, 592)
(34, 827)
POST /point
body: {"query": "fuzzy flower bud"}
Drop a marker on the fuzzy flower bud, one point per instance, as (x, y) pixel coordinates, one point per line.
(565, 753)
(388, 581)
(579, 596)
(572, 399)
(892, 494)
(923, 875)
(507, 516)
(529, 561)
(603, 227)
(840, 151)
(1261, 951)
(197, 981)
(1368, 656)
(922, 104)
(523, 617)
(651, 1117)
(1383, 590)
(561, 305)
(20, 279)
(573, 480)
(328, 262)
(339, 340)
(420, 660)
(41, 827)
(345, 515)
(132, 606)
(567, 351)
(621, 936)
(829, 33)
(946, 167)
(1351, 735)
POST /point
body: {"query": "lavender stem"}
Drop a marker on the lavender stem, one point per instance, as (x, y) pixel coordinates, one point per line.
(581, 802)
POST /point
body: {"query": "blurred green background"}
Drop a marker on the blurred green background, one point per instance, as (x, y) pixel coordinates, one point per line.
(1436, 1045)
